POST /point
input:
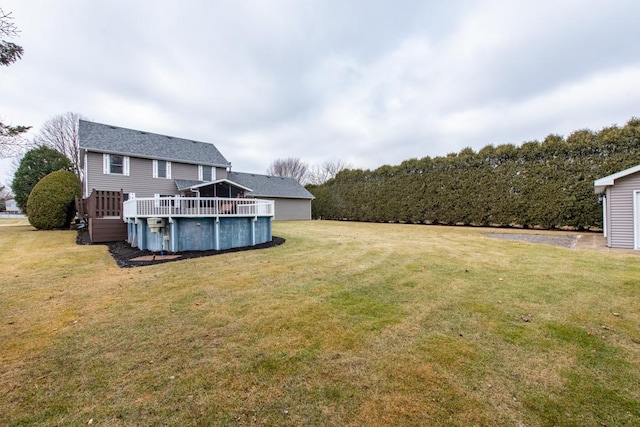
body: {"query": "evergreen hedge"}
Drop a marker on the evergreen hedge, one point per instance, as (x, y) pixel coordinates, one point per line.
(35, 165)
(51, 203)
(546, 185)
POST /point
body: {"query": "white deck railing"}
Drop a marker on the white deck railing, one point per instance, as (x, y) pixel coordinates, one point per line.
(196, 207)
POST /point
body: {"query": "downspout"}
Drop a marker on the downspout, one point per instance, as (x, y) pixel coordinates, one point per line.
(86, 176)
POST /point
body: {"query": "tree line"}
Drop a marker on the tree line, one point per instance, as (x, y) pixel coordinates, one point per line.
(546, 184)
(293, 167)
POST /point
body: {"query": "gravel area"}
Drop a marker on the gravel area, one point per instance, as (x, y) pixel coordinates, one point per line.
(548, 239)
(123, 253)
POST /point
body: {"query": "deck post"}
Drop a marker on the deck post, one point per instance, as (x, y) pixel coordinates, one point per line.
(174, 235)
(253, 230)
(142, 234)
(216, 230)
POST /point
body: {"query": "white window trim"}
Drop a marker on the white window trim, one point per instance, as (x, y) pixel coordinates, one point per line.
(201, 172)
(106, 165)
(636, 219)
(155, 169)
(86, 174)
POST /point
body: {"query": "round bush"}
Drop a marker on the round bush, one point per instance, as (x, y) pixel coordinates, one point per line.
(51, 203)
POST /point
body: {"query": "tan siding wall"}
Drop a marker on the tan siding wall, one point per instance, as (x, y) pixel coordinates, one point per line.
(140, 180)
(183, 171)
(621, 211)
(221, 173)
(291, 209)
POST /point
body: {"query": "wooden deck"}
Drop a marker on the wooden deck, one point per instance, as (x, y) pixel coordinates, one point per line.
(107, 230)
(102, 212)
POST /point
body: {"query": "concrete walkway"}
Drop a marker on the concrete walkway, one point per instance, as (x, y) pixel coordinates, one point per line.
(597, 242)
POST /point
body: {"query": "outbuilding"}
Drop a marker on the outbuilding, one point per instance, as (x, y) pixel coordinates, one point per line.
(620, 195)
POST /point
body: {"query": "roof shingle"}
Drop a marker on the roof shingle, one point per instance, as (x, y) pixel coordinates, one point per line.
(116, 140)
(270, 186)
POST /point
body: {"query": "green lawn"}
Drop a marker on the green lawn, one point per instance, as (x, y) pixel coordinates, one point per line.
(346, 324)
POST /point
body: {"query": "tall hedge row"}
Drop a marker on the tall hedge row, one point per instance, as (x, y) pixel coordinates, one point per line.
(548, 184)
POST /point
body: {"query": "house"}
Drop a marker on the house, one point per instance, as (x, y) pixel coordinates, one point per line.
(620, 195)
(292, 200)
(187, 184)
(10, 206)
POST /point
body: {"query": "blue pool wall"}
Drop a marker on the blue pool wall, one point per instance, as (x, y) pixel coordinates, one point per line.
(200, 234)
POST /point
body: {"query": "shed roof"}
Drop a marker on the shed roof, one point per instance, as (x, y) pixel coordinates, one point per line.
(103, 138)
(600, 185)
(271, 186)
(185, 184)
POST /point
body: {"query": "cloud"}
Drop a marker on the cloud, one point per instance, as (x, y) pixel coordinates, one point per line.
(369, 82)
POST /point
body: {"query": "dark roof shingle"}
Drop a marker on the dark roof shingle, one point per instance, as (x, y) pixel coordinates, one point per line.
(270, 186)
(116, 140)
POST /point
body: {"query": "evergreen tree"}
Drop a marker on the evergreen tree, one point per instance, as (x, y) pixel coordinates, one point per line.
(35, 165)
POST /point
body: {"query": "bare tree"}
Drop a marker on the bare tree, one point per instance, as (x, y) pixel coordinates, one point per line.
(320, 174)
(5, 192)
(290, 167)
(12, 143)
(61, 133)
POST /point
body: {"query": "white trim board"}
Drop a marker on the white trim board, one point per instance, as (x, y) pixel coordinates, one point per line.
(636, 219)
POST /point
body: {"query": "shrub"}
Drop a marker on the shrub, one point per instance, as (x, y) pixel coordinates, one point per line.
(34, 166)
(51, 202)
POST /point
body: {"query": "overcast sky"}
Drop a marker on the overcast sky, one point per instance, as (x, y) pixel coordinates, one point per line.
(364, 81)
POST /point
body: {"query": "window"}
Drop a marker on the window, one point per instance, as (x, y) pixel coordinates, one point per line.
(161, 169)
(206, 173)
(115, 164)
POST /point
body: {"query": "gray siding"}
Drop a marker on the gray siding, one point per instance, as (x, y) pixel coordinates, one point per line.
(140, 180)
(221, 173)
(291, 209)
(621, 211)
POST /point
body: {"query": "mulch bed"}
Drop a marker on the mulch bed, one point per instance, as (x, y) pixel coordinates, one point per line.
(127, 257)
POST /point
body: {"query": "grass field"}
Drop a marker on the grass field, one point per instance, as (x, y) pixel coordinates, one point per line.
(346, 324)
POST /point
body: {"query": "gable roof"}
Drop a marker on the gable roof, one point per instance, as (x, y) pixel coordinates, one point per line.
(600, 185)
(103, 138)
(270, 186)
(258, 185)
(187, 184)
